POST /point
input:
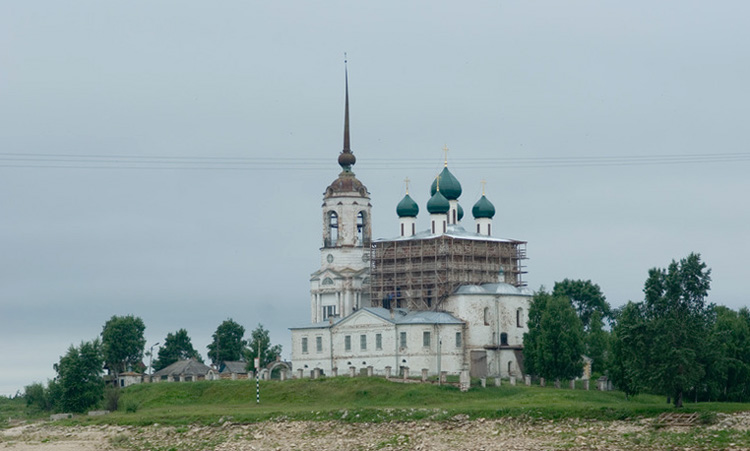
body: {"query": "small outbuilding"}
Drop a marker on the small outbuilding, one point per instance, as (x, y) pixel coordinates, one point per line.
(185, 371)
(233, 370)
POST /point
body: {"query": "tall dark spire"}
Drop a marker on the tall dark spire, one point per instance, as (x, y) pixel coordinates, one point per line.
(346, 157)
(347, 147)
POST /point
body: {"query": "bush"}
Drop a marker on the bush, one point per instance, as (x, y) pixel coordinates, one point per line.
(37, 396)
(112, 398)
(131, 406)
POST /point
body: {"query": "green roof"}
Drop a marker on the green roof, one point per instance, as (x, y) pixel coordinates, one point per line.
(449, 185)
(438, 204)
(407, 208)
(483, 208)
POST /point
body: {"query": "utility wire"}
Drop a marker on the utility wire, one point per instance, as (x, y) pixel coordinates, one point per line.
(164, 162)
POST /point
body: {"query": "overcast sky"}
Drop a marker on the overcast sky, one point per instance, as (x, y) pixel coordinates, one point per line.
(168, 159)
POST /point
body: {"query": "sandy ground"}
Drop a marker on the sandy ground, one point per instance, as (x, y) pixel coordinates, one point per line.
(730, 432)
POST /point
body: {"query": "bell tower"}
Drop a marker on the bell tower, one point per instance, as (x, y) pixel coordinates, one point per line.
(341, 285)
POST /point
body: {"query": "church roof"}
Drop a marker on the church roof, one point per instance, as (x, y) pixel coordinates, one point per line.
(448, 184)
(483, 208)
(438, 204)
(454, 231)
(494, 288)
(404, 316)
(400, 316)
(407, 208)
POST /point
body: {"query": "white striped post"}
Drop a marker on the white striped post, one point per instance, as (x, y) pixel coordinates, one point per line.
(257, 378)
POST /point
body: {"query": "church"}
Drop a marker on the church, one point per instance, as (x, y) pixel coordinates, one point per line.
(444, 299)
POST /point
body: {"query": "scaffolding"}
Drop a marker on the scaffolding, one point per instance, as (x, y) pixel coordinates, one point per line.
(419, 274)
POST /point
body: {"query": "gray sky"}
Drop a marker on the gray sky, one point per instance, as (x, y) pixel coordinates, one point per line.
(168, 159)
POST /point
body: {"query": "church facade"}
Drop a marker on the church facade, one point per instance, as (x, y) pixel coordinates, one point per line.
(441, 299)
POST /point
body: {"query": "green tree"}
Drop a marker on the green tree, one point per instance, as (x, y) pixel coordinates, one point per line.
(727, 365)
(586, 298)
(123, 343)
(554, 347)
(227, 344)
(79, 377)
(177, 346)
(532, 340)
(630, 345)
(259, 339)
(678, 320)
(597, 343)
(37, 396)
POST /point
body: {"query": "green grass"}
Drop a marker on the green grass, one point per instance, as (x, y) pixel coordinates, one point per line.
(371, 400)
(12, 408)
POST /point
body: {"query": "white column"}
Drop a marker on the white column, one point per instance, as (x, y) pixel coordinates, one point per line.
(484, 226)
(318, 307)
(453, 212)
(313, 307)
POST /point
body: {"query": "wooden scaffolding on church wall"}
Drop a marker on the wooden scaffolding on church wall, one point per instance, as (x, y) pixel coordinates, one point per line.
(419, 274)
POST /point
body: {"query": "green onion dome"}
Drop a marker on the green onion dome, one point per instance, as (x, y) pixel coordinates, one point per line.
(438, 204)
(460, 212)
(407, 208)
(449, 185)
(483, 208)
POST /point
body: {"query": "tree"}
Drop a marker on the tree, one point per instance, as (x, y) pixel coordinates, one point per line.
(597, 343)
(630, 344)
(586, 298)
(177, 346)
(678, 320)
(37, 395)
(554, 346)
(259, 339)
(532, 351)
(227, 344)
(727, 362)
(123, 343)
(79, 378)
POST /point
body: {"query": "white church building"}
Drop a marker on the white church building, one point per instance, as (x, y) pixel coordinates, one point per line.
(443, 299)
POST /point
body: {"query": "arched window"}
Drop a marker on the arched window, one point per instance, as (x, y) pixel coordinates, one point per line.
(360, 227)
(486, 316)
(333, 228)
(503, 339)
(327, 281)
(519, 318)
(510, 368)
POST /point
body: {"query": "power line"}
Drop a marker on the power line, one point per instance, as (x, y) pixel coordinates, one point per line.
(163, 162)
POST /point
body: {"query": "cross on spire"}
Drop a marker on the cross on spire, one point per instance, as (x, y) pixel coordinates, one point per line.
(483, 182)
(406, 181)
(445, 150)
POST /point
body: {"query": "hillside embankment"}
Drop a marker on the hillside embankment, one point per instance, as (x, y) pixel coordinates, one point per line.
(728, 431)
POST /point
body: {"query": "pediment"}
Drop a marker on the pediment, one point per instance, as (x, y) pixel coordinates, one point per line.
(362, 318)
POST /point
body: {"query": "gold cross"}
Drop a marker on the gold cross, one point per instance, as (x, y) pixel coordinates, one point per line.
(445, 149)
(484, 182)
(406, 180)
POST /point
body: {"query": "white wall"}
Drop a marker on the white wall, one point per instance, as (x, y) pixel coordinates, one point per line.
(415, 355)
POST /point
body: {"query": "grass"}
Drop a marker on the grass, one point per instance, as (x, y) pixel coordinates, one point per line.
(364, 399)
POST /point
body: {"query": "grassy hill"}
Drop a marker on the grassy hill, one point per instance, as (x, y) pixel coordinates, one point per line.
(373, 400)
